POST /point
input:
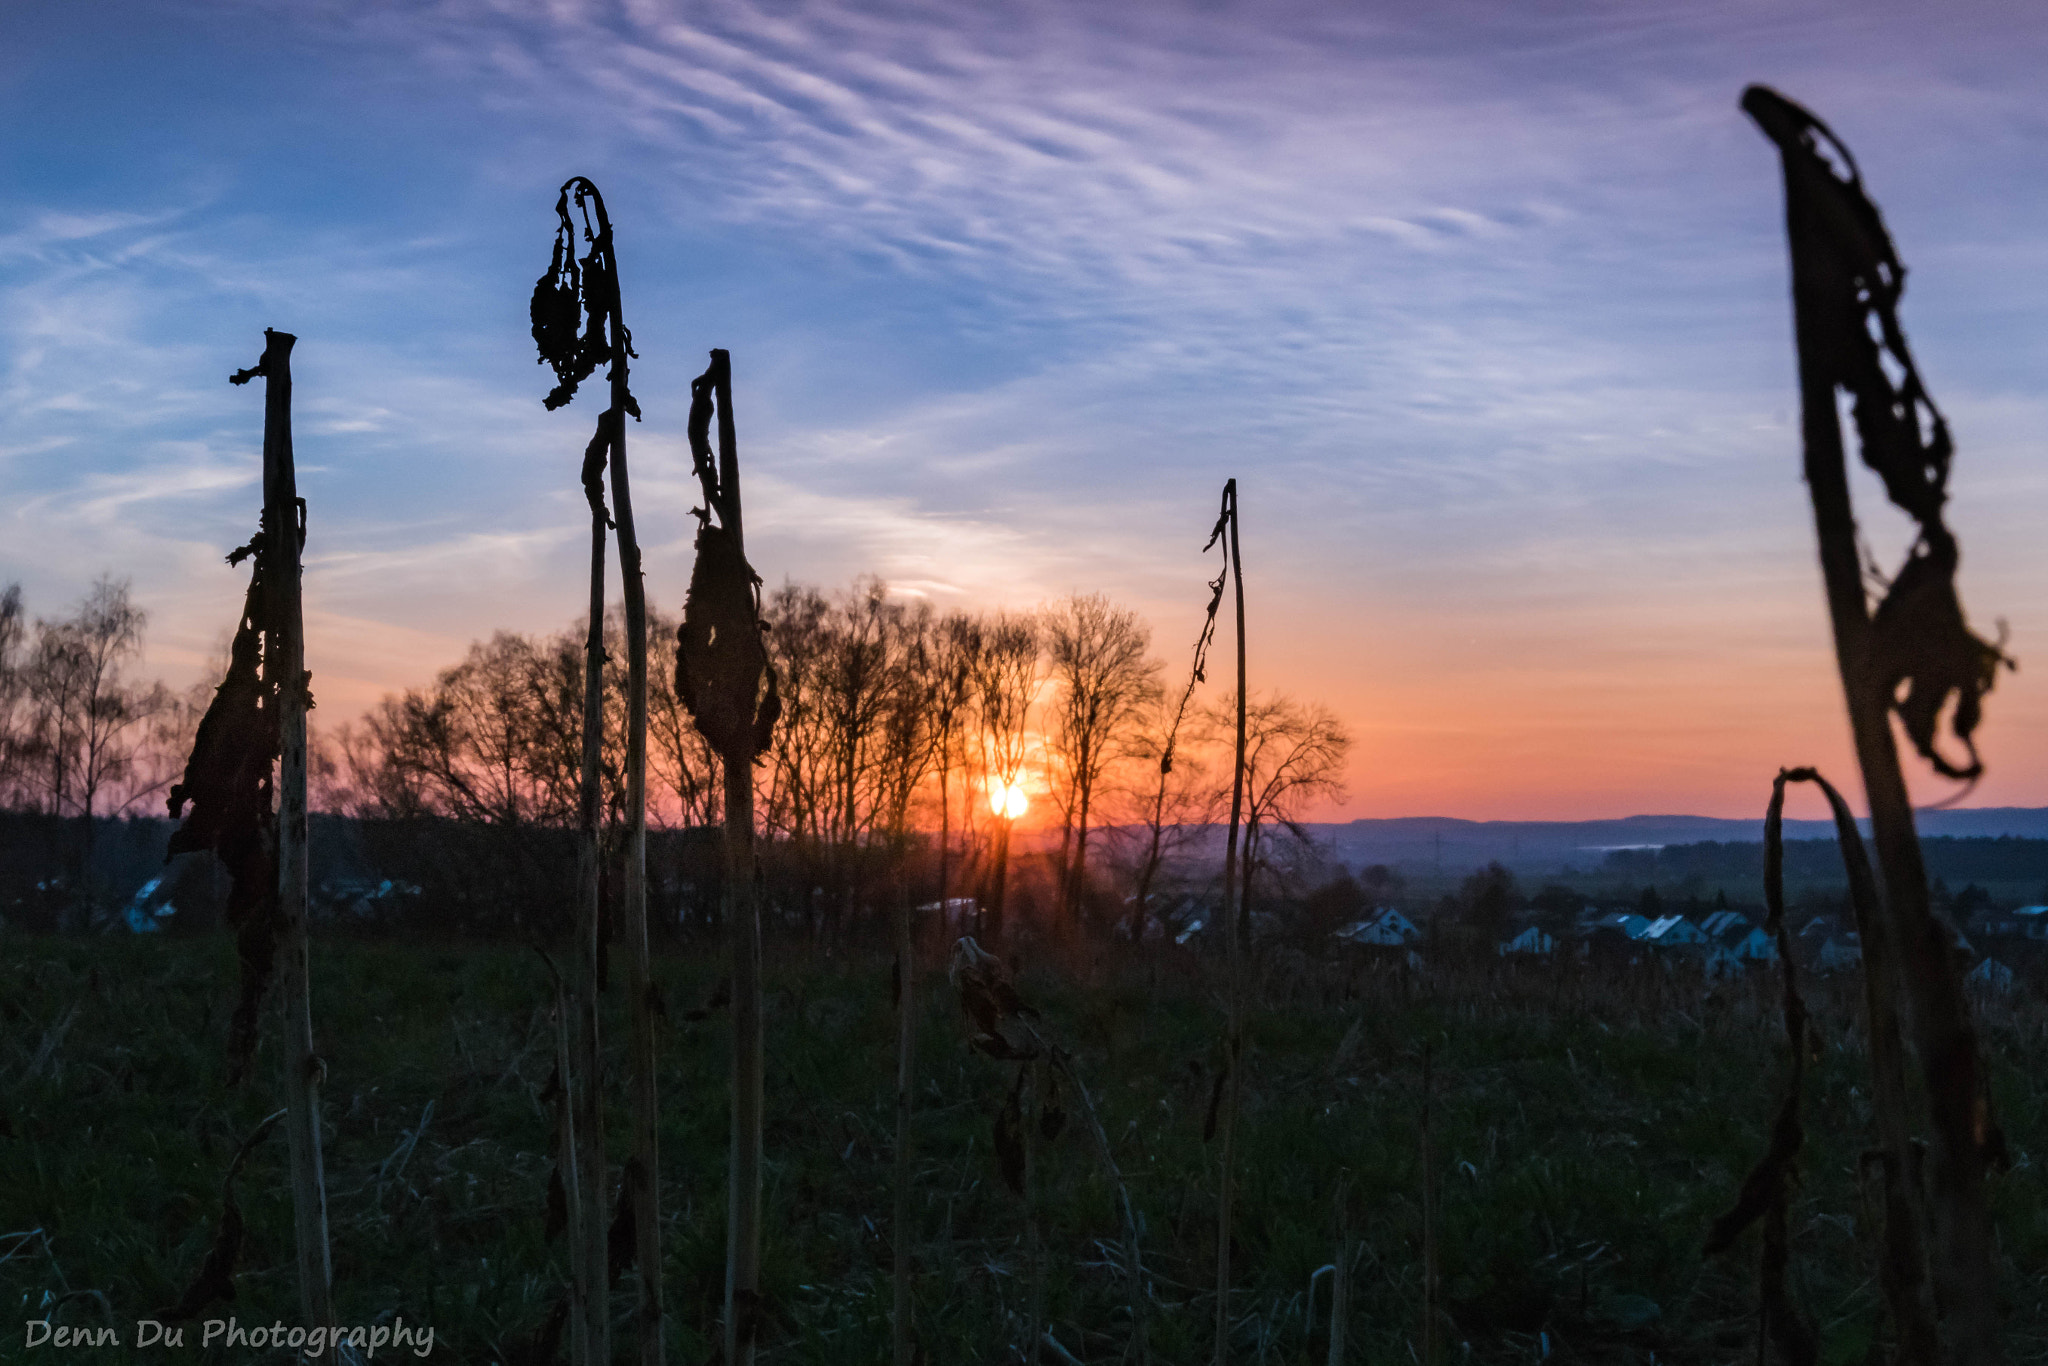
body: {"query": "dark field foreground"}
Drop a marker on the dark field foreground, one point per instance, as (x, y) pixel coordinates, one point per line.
(1586, 1127)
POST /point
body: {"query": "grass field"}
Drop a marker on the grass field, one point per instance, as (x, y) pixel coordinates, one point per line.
(1586, 1131)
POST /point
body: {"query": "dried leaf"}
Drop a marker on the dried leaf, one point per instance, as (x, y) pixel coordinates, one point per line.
(229, 780)
(572, 291)
(1852, 280)
(984, 982)
(721, 659)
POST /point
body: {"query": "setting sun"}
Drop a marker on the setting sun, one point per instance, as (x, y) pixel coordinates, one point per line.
(1008, 799)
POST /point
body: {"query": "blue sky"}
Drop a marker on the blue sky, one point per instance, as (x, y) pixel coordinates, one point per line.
(1484, 305)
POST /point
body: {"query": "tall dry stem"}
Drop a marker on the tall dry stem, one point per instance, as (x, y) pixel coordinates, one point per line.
(250, 750)
(1430, 1253)
(1236, 936)
(578, 324)
(1912, 654)
(902, 1336)
(592, 1320)
(285, 663)
(723, 674)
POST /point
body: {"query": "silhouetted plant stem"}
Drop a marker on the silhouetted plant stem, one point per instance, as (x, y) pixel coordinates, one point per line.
(743, 1278)
(1846, 280)
(1904, 1273)
(1766, 1192)
(586, 1101)
(901, 1325)
(1236, 937)
(563, 1098)
(723, 675)
(642, 1171)
(572, 291)
(1429, 1248)
(284, 523)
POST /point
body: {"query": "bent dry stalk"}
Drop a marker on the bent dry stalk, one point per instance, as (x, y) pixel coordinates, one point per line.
(1912, 654)
(257, 719)
(1236, 936)
(1767, 1190)
(579, 324)
(728, 686)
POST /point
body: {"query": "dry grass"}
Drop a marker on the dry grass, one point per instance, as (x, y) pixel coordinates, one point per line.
(1587, 1126)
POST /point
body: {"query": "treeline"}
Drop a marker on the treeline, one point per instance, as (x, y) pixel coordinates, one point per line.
(1952, 859)
(906, 744)
(910, 741)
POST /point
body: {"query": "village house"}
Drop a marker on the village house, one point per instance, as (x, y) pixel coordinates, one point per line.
(1384, 928)
(1627, 923)
(1530, 940)
(1673, 931)
(1733, 934)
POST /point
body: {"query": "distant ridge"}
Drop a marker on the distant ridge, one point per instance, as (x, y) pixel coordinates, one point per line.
(1429, 843)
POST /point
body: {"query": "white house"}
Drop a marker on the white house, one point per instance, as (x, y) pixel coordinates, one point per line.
(2032, 921)
(1744, 942)
(1629, 924)
(1672, 931)
(1714, 925)
(1530, 940)
(1384, 928)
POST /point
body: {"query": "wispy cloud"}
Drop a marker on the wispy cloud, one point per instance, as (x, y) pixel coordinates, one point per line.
(1483, 303)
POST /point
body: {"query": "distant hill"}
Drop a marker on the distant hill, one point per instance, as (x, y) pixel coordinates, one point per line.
(1425, 844)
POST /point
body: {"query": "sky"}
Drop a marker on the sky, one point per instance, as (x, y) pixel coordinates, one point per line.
(1483, 304)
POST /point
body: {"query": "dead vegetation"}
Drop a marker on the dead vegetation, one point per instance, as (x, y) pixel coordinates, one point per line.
(1911, 656)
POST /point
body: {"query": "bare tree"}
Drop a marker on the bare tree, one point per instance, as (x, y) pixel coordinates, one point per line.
(953, 663)
(1098, 657)
(16, 740)
(88, 723)
(861, 679)
(1294, 755)
(1006, 682)
(86, 715)
(1169, 806)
